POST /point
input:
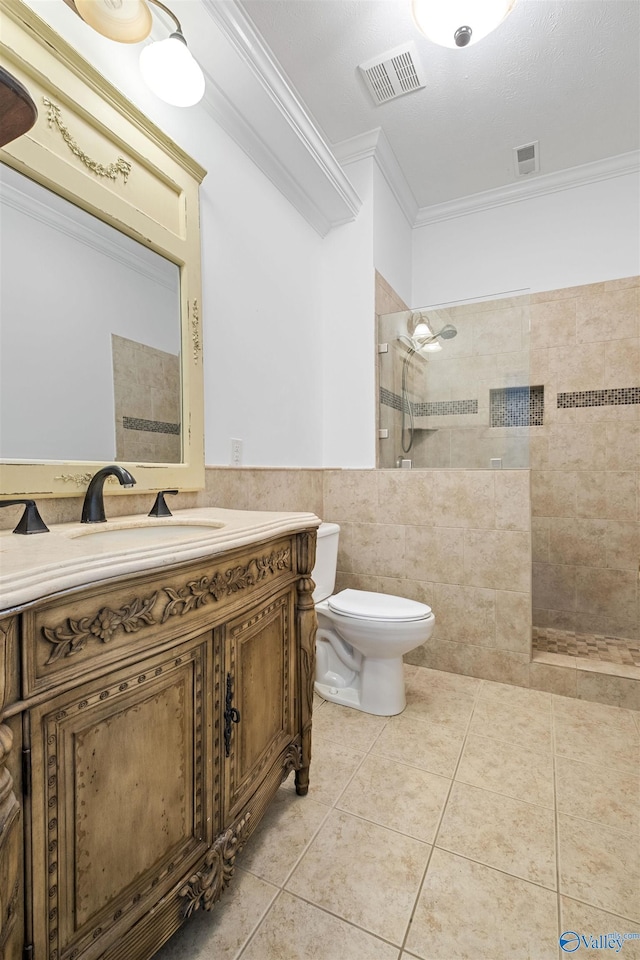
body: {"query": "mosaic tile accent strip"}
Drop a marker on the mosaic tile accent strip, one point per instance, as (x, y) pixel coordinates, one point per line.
(436, 408)
(390, 399)
(616, 397)
(445, 408)
(587, 646)
(517, 406)
(150, 426)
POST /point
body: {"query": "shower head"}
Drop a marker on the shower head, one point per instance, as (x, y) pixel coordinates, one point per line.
(448, 332)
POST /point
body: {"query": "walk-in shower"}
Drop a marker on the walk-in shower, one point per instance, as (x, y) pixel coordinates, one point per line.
(421, 339)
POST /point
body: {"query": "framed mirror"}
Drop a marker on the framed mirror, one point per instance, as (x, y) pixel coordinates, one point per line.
(100, 289)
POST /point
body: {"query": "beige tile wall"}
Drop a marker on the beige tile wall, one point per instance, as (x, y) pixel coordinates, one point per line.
(490, 351)
(146, 385)
(387, 302)
(458, 540)
(585, 462)
(401, 530)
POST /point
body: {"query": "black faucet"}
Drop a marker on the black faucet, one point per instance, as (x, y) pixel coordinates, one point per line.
(31, 521)
(93, 506)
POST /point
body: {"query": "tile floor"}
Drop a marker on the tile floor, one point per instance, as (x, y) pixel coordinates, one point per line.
(481, 823)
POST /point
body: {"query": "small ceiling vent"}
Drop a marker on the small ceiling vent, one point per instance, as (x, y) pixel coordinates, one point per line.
(393, 73)
(526, 159)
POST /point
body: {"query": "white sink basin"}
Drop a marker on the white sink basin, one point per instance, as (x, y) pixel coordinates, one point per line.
(148, 534)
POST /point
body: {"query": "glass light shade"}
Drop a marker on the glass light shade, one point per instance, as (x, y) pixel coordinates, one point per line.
(422, 329)
(439, 20)
(430, 347)
(170, 71)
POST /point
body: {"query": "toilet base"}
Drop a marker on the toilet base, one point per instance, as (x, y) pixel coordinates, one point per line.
(379, 688)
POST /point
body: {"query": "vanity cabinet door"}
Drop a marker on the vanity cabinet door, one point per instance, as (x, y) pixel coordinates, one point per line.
(259, 697)
(120, 806)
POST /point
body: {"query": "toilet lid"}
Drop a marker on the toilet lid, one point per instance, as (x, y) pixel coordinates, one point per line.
(363, 605)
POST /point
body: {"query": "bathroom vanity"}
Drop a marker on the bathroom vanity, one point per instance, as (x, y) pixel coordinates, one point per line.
(156, 686)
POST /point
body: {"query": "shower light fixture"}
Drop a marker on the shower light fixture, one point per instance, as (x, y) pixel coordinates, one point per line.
(167, 66)
(431, 346)
(459, 23)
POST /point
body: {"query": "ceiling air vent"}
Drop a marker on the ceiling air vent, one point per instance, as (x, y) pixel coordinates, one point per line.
(526, 159)
(393, 73)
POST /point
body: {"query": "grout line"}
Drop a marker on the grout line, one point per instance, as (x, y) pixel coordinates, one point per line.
(556, 826)
(440, 819)
(264, 916)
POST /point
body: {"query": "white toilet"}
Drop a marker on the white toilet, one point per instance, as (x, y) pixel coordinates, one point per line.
(362, 637)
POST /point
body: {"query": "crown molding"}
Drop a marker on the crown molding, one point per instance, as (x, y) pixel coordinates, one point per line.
(289, 149)
(540, 186)
(374, 144)
(85, 233)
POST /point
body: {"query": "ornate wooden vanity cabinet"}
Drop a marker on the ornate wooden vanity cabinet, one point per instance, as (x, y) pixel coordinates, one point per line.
(145, 724)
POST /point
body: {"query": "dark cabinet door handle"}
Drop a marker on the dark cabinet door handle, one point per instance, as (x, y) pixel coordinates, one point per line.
(231, 715)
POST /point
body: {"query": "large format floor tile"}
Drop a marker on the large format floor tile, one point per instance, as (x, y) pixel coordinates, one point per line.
(470, 784)
(421, 744)
(591, 923)
(447, 711)
(332, 766)
(286, 829)
(515, 771)
(526, 725)
(364, 873)
(229, 925)
(600, 866)
(294, 928)
(583, 791)
(397, 796)
(467, 911)
(591, 739)
(500, 832)
(350, 728)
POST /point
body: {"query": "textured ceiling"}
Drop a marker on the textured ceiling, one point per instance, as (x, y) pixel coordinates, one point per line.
(563, 72)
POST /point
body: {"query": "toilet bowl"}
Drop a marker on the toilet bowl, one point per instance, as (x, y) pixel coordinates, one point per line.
(362, 637)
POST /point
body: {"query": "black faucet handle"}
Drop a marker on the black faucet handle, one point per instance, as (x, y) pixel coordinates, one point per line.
(31, 521)
(159, 508)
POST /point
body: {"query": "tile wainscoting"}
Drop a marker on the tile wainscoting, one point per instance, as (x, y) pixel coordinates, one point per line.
(459, 540)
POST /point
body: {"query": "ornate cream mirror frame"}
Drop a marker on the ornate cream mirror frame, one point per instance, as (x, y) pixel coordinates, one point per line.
(93, 147)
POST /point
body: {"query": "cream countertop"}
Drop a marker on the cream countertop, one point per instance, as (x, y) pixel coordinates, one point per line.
(73, 554)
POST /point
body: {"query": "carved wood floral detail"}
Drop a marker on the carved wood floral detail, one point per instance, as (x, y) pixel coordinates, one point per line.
(196, 593)
(206, 886)
(111, 171)
(292, 759)
(195, 331)
(74, 635)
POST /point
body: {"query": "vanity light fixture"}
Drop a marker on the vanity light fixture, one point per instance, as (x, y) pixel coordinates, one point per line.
(459, 23)
(167, 66)
(169, 69)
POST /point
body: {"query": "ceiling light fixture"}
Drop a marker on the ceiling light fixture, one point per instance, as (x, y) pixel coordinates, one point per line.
(459, 23)
(167, 66)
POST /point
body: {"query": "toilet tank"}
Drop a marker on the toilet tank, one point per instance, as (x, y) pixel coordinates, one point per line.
(324, 571)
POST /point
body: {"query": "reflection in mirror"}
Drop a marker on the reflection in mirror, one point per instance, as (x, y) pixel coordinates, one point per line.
(89, 335)
(455, 386)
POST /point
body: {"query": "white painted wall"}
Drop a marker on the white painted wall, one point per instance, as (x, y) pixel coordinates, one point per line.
(392, 238)
(262, 319)
(581, 235)
(348, 287)
(262, 274)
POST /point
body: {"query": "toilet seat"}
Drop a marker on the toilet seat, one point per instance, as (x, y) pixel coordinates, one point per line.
(365, 605)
